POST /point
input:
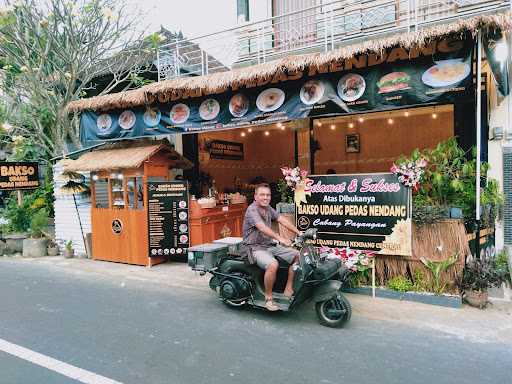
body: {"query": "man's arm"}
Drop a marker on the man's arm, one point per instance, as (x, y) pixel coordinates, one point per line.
(262, 227)
(283, 221)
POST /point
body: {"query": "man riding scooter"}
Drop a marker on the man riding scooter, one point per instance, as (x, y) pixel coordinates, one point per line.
(259, 246)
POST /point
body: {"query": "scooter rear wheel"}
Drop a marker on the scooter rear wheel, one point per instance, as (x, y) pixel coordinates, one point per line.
(335, 312)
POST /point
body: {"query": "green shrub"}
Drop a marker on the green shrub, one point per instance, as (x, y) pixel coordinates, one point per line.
(419, 282)
(38, 223)
(502, 266)
(400, 284)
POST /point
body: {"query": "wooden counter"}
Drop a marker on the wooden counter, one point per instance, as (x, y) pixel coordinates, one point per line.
(208, 224)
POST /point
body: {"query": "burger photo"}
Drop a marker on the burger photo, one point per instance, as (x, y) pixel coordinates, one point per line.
(394, 81)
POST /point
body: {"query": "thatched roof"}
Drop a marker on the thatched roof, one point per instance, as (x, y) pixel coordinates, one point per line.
(124, 156)
(217, 82)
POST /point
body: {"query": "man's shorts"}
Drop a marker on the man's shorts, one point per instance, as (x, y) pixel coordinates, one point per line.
(265, 257)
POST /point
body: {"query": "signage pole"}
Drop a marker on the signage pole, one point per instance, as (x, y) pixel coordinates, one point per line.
(478, 139)
(20, 197)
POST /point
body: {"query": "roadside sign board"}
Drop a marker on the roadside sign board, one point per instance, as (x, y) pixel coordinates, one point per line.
(168, 218)
(19, 175)
(361, 211)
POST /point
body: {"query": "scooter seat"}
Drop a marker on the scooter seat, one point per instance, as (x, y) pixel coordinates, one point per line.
(236, 265)
(326, 269)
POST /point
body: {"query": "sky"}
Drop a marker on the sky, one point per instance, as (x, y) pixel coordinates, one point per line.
(193, 17)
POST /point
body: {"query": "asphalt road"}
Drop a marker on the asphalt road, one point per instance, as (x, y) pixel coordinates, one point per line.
(138, 332)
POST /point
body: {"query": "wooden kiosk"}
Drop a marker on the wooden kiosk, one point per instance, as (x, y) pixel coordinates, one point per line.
(119, 199)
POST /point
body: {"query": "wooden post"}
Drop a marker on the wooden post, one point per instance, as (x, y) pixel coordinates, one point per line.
(373, 277)
(20, 197)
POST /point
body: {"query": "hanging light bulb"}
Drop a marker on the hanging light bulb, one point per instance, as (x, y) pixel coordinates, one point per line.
(361, 120)
(406, 113)
(242, 134)
(267, 133)
(279, 125)
(333, 127)
(390, 121)
(249, 130)
(319, 123)
(434, 115)
(351, 125)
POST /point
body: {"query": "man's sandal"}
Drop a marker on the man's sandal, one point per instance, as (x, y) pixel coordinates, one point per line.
(270, 305)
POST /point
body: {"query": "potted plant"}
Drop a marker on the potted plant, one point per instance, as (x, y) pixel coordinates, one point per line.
(53, 248)
(69, 252)
(35, 245)
(480, 275)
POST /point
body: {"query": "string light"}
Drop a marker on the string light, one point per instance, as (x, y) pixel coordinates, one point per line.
(351, 125)
(361, 120)
(434, 115)
(242, 134)
(249, 130)
(406, 114)
(267, 133)
(319, 123)
(279, 125)
(390, 121)
(333, 127)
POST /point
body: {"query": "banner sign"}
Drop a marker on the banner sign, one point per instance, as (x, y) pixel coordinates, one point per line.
(497, 46)
(19, 175)
(226, 150)
(168, 218)
(440, 72)
(363, 211)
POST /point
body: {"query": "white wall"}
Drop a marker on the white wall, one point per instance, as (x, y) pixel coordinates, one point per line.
(500, 116)
(67, 226)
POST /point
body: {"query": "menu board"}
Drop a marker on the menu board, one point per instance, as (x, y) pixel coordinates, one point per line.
(168, 218)
(363, 211)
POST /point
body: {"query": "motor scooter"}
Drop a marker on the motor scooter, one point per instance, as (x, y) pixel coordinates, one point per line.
(317, 278)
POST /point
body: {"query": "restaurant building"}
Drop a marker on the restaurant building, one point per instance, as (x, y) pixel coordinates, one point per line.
(353, 106)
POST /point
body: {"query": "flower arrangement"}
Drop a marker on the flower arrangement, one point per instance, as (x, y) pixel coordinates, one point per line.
(354, 259)
(410, 173)
(294, 176)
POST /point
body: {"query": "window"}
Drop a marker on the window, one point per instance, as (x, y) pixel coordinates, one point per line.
(117, 192)
(135, 192)
(242, 10)
(101, 193)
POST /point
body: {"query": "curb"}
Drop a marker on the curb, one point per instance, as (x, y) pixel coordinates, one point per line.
(450, 301)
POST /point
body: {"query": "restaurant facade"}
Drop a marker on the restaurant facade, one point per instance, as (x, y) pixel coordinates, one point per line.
(344, 116)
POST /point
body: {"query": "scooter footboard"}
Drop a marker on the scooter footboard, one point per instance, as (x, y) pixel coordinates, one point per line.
(326, 290)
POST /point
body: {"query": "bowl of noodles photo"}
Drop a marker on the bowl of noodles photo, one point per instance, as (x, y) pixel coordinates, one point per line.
(270, 99)
(179, 113)
(152, 117)
(127, 119)
(312, 92)
(209, 109)
(104, 122)
(446, 73)
(239, 105)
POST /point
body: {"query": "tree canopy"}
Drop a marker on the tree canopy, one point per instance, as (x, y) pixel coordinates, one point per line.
(51, 53)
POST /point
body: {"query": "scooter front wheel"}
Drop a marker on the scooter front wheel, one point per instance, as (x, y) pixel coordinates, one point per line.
(335, 312)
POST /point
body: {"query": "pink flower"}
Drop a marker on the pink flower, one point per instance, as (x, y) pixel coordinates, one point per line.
(394, 169)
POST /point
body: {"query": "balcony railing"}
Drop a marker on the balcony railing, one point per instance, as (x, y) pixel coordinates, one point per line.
(319, 28)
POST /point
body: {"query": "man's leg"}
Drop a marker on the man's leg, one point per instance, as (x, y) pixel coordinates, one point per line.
(267, 262)
(291, 256)
(270, 278)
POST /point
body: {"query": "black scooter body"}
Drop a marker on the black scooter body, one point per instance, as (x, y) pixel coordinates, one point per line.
(316, 278)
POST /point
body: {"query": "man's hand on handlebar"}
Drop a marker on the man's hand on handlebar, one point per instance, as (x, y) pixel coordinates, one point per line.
(285, 242)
